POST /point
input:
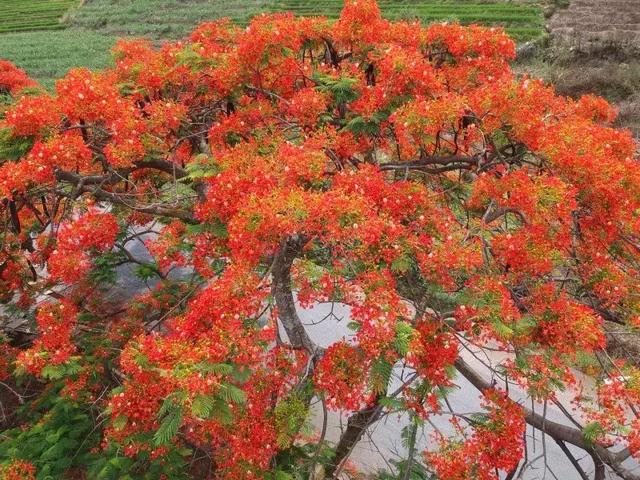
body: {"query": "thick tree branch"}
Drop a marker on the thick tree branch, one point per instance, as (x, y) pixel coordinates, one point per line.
(573, 460)
(90, 184)
(117, 175)
(281, 290)
(434, 164)
(357, 424)
(497, 212)
(160, 210)
(163, 166)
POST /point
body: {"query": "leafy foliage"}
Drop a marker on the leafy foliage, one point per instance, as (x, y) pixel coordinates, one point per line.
(60, 438)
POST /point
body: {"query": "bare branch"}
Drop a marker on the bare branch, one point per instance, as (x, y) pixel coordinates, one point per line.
(557, 431)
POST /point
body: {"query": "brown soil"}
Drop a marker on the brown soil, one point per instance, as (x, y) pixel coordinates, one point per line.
(623, 342)
(589, 24)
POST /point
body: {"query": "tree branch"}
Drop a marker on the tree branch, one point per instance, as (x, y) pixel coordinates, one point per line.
(557, 431)
(281, 290)
(434, 164)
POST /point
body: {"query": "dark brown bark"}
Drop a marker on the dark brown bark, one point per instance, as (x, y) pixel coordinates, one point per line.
(434, 164)
(356, 427)
(573, 460)
(94, 185)
(512, 473)
(599, 473)
(119, 199)
(281, 290)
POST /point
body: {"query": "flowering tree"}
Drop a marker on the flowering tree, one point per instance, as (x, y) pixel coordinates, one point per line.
(401, 170)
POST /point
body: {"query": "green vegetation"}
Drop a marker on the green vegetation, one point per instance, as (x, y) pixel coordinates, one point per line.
(17, 16)
(47, 55)
(93, 26)
(175, 18)
(160, 19)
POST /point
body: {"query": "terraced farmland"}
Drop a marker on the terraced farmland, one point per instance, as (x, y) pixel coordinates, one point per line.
(48, 55)
(175, 18)
(523, 21)
(581, 24)
(25, 15)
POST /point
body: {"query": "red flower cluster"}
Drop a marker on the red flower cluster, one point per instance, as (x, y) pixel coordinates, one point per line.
(615, 395)
(432, 351)
(31, 115)
(56, 322)
(94, 232)
(7, 356)
(18, 470)
(167, 247)
(13, 79)
(495, 445)
(341, 375)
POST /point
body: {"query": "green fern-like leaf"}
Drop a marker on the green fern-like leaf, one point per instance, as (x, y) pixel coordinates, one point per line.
(391, 403)
(215, 368)
(203, 406)
(282, 475)
(169, 403)
(53, 372)
(201, 167)
(592, 432)
(380, 375)
(341, 88)
(169, 426)
(404, 334)
(13, 148)
(221, 412)
(119, 422)
(232, 394)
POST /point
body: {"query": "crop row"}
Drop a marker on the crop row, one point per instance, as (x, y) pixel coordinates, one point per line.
(423, 8)
(522, 21)
(32, 14)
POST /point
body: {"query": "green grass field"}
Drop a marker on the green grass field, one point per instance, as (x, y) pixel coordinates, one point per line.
(172, 19)
(47, 37)
(160, 19)
(48, 55)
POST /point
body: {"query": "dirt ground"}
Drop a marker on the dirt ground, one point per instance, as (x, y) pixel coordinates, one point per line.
(593, 46)
(591, 24)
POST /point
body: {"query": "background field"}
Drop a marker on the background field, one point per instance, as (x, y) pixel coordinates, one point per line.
(47, 37)
(19, 15)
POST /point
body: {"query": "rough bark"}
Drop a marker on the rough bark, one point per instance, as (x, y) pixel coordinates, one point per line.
(285, 302)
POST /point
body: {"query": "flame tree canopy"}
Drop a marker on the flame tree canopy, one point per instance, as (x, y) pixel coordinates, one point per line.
(401, 170)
